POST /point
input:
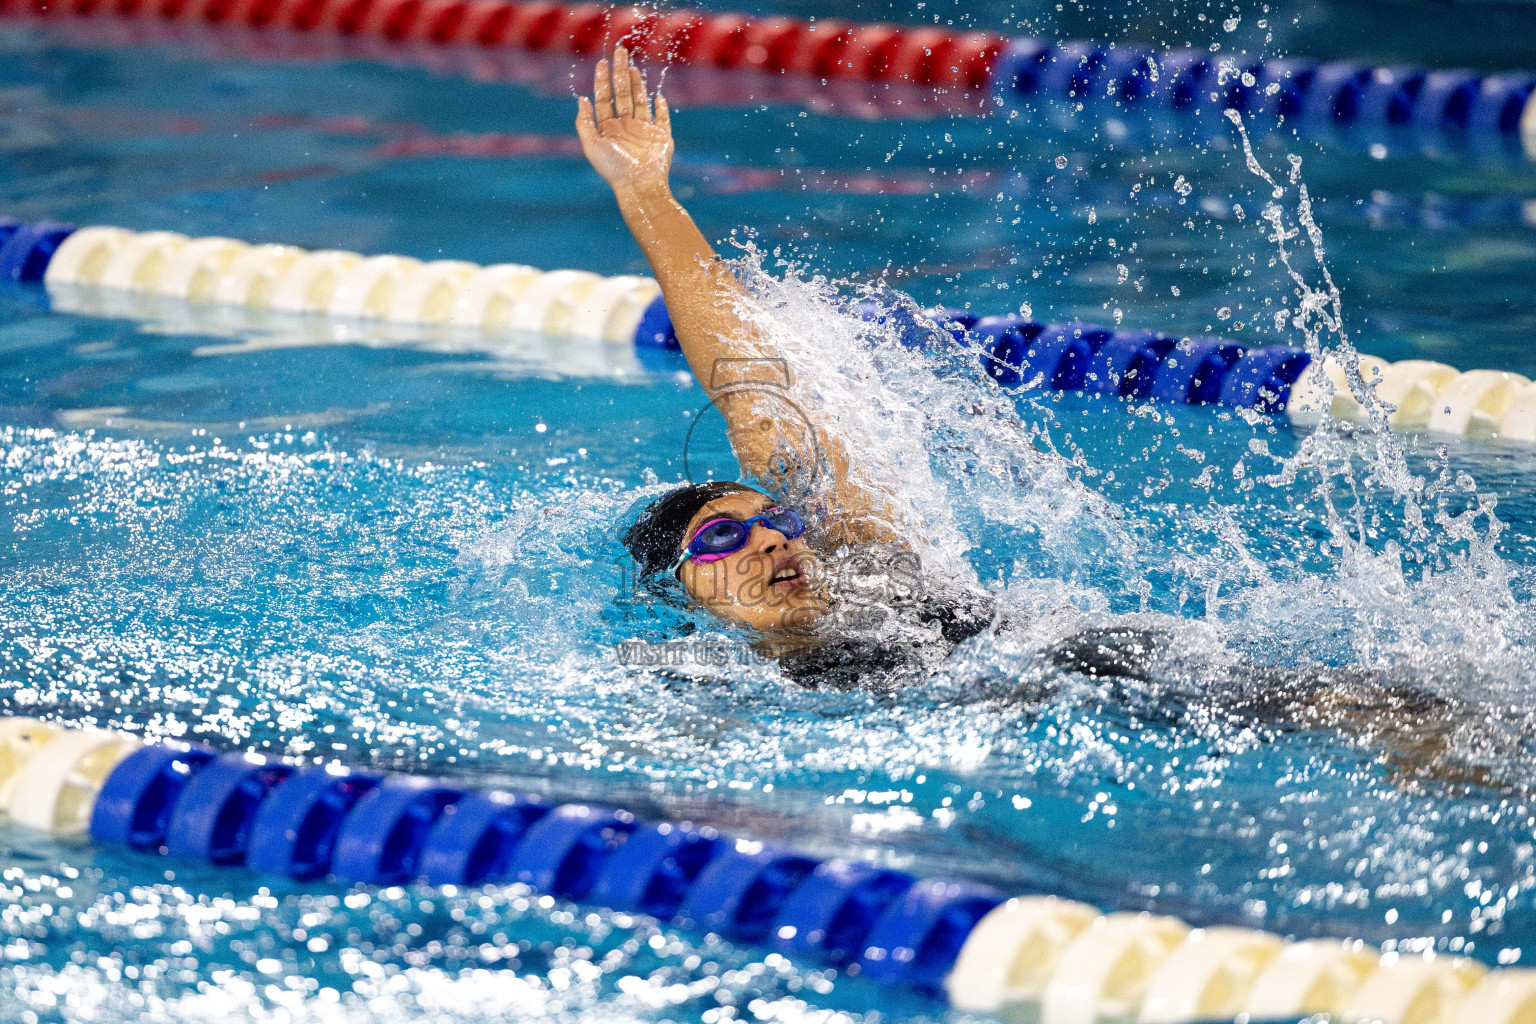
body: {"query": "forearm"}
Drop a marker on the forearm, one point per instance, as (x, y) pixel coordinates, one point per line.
(703, 297)
(705, 301)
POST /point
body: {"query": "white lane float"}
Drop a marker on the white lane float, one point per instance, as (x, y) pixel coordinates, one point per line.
(20, 739)
(1306, 978)
(137, 264)
(251, 277)
(431, 294)
(1208, 976)
(1519, 422)
(192, 272)
(1410, 386)
(310, 283)
(56, 789)
(1326, 386)
(485, 303)
(1009, 957)
(1506, 996)
(1411, 989)
(367, 290)
(548, 303)
(84, 255)
(1104, 972)
(1474, 403)
(612, 309)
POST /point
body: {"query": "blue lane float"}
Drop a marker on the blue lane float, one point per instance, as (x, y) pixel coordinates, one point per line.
(1018, 352)
(1456, 103)
(246, 810)
(295, 833)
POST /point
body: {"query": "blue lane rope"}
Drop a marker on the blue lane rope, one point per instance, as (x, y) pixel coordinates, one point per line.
(1336, 93)
(1135, 364)
(246, 810)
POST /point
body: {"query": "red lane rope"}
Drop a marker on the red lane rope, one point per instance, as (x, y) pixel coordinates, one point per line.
(829, 48)
(548, 71)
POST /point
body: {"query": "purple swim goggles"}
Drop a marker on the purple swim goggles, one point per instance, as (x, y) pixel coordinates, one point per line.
(725, 536)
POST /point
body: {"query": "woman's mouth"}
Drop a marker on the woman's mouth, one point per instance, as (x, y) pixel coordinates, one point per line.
(786, 578)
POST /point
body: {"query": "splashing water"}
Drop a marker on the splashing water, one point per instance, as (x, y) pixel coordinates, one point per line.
(1462, 600)
(411, 579)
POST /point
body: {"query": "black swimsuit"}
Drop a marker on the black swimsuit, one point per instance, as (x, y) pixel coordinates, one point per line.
(871, 653)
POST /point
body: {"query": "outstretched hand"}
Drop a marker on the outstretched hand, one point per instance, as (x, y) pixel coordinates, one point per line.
(628, 145)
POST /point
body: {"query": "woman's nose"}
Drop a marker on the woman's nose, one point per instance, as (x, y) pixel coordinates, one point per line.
(774, 537)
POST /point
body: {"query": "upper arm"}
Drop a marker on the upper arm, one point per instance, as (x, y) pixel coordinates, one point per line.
(794, 450)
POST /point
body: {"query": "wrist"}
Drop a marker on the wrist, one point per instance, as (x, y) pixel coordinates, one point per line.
(643, 193)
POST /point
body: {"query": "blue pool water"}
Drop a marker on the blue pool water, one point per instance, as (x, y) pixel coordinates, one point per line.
(404, 553)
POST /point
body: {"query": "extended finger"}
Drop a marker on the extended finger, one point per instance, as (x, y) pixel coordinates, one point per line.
(586, 126)
(623, 98)
(602, 93)
(663, 113)
(637, 87)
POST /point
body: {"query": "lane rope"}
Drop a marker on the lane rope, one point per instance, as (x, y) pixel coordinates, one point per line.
(1040, 957)
(1462, 107)
(627, 313)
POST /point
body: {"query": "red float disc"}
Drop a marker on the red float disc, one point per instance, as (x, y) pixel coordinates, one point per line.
(183, 10)
(343, 17)
(771, 45)
(882, 57)
(534, 25)
(214, 12)
(439, 21)
(257, 13)
(670, 35)
(251, 13)
(857, 58)
(720, 41)
(582, 29)
(969, 64)
(819, 47)
(390, 19)
(485, 24)
(628, 26)
(917, 54)
(828, 57)
(300, 15)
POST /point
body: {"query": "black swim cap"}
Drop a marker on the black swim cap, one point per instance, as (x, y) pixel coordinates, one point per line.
(655, 541)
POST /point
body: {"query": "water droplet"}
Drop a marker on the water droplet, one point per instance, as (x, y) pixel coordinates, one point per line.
(1061, 163)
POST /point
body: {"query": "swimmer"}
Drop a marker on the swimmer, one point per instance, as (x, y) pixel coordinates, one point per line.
(737, 551)
(764, 563)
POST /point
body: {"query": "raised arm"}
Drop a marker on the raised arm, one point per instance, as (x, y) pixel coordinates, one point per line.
(631, 147)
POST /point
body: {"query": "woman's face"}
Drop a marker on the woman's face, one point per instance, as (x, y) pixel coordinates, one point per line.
(767, 584)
